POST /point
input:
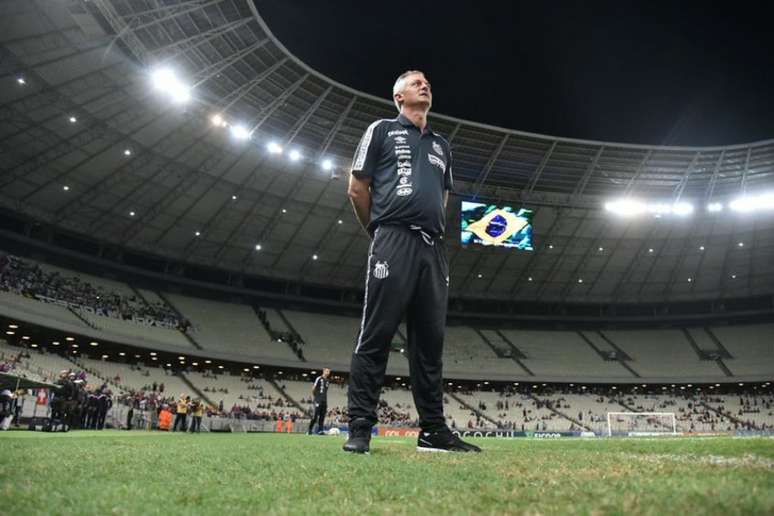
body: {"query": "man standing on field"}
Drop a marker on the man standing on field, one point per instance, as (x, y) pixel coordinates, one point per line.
(320, 396)
(399, 187)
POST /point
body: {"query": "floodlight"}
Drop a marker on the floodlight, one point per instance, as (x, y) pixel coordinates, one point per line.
(295, 155)
(21, 81)
(274, 148)
(714, 207)
(240, 132)
(166, 81)
(753, 203)
(327, 164)
(127, 152)
(625, 207)
(682, 208)
(217, 120)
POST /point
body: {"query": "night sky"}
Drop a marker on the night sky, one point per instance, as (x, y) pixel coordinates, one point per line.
(654, 73)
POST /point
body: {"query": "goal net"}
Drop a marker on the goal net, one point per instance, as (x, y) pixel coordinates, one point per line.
(640, 424)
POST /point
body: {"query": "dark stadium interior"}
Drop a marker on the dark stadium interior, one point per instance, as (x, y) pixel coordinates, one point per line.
(177, 240)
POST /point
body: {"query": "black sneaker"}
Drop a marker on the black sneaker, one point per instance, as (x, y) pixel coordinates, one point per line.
(359, 436)
(443, 441)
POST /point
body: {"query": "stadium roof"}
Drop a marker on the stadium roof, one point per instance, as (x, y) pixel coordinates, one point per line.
(90, 147)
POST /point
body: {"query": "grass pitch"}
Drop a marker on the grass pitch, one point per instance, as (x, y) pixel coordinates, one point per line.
(114, 472)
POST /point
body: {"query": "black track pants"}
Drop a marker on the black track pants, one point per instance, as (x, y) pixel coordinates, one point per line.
(407, 273)
(319, 417)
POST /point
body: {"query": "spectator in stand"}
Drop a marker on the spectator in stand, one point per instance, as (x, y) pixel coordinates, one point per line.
(30, 280)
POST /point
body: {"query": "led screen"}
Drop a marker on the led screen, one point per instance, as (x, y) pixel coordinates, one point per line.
(493, 225)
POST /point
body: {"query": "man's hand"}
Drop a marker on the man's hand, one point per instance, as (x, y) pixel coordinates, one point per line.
(359, 192)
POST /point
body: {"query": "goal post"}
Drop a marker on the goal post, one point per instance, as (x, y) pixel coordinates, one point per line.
(639, 424)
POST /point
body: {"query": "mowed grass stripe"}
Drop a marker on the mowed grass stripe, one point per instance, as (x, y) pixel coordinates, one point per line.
(158, 473)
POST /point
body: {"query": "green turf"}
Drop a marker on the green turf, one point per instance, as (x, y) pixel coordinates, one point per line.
(112, 472)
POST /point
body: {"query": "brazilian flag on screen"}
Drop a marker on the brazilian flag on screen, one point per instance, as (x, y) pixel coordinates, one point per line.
(493, 225)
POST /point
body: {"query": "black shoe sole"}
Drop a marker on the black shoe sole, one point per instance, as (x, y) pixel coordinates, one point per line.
(444, 450)
(361, 452)
(432, 450)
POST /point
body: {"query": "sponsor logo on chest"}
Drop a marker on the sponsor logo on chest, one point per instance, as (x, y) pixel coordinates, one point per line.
(438, 162)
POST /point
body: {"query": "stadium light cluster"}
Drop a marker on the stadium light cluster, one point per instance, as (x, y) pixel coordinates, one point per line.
(240, 132)
(634, 207)
(747, 204)
(743, 204)
(166, 81)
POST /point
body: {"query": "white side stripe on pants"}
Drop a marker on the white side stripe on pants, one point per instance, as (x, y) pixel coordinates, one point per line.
(365, 296)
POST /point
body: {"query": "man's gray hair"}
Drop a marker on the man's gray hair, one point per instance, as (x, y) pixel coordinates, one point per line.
(400, 83)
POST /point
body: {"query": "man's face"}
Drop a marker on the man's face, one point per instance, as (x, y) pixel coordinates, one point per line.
(326, 373)
(416, 92)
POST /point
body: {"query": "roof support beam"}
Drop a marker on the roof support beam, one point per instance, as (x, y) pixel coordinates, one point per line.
(539, 170)
(481, 179)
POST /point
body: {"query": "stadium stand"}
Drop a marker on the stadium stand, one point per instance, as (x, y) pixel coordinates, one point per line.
(230, 327)
(327, 338)
(549, 353)
(661, 353)
(241, 393)
(466, 351)
(22, 307)
(528, 407)
(514, 410)
(241, 332)
(751, 346)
